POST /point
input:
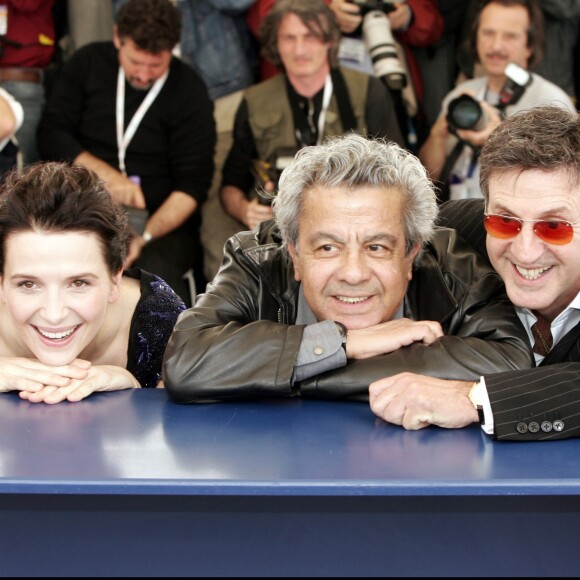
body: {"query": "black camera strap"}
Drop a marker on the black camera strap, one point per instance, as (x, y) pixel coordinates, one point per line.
(305, 112)
(447, 167)
(347, 118)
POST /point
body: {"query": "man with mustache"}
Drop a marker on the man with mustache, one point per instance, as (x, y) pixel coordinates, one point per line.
(351, 281)
(143, 121)
(504, 32)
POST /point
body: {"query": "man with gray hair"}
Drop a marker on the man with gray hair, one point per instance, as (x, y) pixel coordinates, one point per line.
(349, 280)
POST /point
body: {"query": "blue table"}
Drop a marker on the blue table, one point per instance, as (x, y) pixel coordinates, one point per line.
(131, 484)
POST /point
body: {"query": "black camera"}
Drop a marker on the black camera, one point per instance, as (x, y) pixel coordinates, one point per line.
(465, 112)
(368, 5)
(265, 171)
(380, 43)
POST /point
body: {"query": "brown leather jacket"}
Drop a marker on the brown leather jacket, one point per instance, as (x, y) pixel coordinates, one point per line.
(240, 340)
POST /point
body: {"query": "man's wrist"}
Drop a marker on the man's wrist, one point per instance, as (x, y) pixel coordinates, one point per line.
(477, 399)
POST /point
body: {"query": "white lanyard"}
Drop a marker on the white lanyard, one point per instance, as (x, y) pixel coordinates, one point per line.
(326, 96)
(124, 138)
(325, 102)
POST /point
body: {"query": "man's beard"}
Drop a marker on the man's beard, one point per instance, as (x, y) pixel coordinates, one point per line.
(140, 86)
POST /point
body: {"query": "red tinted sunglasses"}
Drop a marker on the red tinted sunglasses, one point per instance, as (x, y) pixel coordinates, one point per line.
(550, 231)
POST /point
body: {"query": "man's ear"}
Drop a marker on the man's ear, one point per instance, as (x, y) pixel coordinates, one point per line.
(294, 255)
(411, 258)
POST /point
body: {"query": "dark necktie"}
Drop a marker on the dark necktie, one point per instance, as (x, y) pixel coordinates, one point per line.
(542, 335)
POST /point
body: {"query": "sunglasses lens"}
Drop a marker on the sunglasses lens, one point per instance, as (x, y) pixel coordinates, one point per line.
(558, 233)
(552, 232)
(501, 226)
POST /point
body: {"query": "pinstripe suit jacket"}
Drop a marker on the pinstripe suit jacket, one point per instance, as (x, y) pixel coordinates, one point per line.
(541, 403)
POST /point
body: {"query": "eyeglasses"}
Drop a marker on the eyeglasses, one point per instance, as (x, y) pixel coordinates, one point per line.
(551, 231)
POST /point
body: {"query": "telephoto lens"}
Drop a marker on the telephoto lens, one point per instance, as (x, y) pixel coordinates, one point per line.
(465, 112)
(382, 49)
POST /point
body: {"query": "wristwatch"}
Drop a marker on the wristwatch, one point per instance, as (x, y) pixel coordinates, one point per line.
(343, 331)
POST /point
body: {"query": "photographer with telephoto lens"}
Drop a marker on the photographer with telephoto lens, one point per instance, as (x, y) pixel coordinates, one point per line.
(378, 37)
(507, 39)
(312, 99)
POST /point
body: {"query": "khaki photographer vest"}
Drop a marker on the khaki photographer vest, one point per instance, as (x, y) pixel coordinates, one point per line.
(270, 114)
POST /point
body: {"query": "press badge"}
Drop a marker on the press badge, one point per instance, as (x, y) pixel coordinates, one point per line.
(352, 50)
(3, 20)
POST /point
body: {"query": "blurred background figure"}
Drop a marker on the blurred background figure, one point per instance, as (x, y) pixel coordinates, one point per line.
(27, 47)
(216, 42)
(378, 37)
(310, 99)
(143, 121)
(507, 40)
(561, 22)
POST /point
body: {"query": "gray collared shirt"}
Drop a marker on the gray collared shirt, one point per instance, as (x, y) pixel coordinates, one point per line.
(321, 347)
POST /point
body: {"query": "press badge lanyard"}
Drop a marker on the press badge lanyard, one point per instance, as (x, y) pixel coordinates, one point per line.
(124, 138)
(326, 96)
(325, 102)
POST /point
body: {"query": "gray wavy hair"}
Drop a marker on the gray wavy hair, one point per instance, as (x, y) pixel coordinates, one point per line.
(351, 161)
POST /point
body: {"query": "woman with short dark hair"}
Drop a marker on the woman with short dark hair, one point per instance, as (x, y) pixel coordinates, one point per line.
(72, 322)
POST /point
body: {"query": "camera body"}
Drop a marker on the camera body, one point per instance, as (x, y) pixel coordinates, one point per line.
(379, 41)
(271, 170)
(367, 5)
(465, 112)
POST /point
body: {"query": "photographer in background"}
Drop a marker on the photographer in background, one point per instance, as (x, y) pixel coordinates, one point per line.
(142, 119)
(381, 43)
(311, 99)
(505, 32)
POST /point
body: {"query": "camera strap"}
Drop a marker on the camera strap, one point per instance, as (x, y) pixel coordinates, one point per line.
(345, 110)
(450, 162)
(445, 172)
(309, 113)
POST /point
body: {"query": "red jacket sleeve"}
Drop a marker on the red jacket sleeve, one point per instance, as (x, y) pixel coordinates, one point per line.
(426, 25)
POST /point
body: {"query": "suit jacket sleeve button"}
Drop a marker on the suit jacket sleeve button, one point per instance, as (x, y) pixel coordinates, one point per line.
(522, 427)
(533, 427)
(558, 425)
(546, 426)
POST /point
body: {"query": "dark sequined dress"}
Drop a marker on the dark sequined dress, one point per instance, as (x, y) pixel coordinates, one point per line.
(151, 327)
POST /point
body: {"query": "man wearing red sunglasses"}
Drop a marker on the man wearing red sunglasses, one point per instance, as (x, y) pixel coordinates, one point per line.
(530, 179)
